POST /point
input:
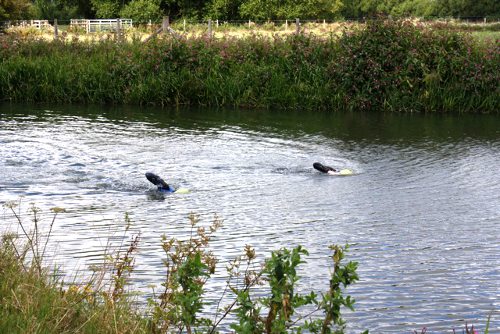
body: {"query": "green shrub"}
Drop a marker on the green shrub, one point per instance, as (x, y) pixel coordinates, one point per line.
(393, 65)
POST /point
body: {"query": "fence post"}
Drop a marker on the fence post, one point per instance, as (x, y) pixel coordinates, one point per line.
(297, 26)
(56, 30)
(286, 24)
(209, 29)
(184, 25)
(165, 24)
(249, 24)
(118, 30)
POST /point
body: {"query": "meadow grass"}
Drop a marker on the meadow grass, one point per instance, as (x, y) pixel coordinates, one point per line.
(380, 66)
(486, 37)
(34, 299)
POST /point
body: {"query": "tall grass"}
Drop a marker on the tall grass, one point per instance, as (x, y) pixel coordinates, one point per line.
(36, 300)
(383, 66)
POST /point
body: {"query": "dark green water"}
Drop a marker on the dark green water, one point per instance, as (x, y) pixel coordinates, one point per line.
(422, 210)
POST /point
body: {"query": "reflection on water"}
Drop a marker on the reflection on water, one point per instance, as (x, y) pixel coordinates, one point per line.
(421, 212)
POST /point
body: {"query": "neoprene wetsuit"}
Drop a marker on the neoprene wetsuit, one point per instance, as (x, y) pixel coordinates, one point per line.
(322, 168)
(158, 181)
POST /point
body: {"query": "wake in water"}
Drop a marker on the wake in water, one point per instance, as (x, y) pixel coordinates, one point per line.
(292, 170)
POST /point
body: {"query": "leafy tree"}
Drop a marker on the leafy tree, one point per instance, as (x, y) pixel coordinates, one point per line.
(371, 7)
(54, 9)
(259, 9)
(421, 8)
(224, 9)
(190, 9)
(481, 8)
(142, 11)
(351, 9)
(448, 7)
(288, 9)
(85, 9)
(405, 8)
(312, 9)
(14, 9)
(106, 8)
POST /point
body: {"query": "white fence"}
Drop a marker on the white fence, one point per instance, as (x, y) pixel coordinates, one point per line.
(38, 24)
(107, 25)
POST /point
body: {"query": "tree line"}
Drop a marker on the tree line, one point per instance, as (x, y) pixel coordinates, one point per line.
(196, 10)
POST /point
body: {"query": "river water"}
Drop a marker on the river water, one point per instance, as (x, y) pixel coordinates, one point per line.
(421, 212)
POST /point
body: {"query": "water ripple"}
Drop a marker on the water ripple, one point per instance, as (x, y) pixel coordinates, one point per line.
(420, 213)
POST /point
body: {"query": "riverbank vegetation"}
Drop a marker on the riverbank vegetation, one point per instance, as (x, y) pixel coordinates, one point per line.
(381, 66)
(257, 298)
(260, 298)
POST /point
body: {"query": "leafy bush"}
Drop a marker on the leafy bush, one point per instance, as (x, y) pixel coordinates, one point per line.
(142, 11)
(393, 65)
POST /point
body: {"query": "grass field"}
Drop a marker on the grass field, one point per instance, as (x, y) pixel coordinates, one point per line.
(487, 36)
(483, 32)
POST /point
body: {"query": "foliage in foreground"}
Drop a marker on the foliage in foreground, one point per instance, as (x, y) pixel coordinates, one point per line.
(384, 66)
(34, 300)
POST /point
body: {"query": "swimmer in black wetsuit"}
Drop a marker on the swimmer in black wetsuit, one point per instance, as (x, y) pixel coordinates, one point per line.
(158, 181)
(324, 169)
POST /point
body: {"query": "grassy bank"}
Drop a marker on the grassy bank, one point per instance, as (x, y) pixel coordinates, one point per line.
(261, 298)
(383, 66)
